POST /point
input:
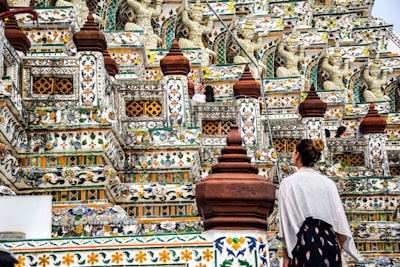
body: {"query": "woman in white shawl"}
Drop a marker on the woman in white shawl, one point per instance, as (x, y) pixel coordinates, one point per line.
(313, 223)
(199, 96)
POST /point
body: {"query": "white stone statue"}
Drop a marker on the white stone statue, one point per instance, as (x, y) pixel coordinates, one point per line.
(251, 45)
(81, 9)
(144, 14)
(293, 54)
(375, 79)
(337, 68)
(193, 21)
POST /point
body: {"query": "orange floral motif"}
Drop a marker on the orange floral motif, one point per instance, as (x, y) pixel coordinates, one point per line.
(68, 259)
(208, 255)
(89, 176)
(236, 243)
(44, 260)
(52, 115)
(164, 256)
(88, 80)
(21, 261)
(42, 112)
(93, 258)
(117, 257)
(201, 265)
(87, 67)
(141, 256)
(186, 255)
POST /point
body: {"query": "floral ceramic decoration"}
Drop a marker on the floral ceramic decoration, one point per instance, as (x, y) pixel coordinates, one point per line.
(298, 9)
(223, 72)
(315, 38)
(333, 112)
(53, 37)
(88, 252)
(221, 8)
(125, 39)
(331, 97)
(159, 192)
(64, 15)
(284, 84)
(370, 203)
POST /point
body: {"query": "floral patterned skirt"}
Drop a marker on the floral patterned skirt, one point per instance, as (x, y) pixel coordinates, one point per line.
(316, 246)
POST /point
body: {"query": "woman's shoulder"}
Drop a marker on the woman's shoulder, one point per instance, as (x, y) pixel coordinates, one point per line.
(305, 174)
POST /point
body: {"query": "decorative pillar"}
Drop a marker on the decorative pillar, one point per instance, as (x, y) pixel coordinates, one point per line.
(247, 93)
(373, 128)
(16, 37)
(175, 67)
(90, 44)
(234, 202)
(312, 111)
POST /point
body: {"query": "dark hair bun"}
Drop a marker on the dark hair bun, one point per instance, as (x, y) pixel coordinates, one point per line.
(318, 145)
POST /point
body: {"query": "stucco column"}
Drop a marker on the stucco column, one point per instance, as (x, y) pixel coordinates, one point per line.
(90, 44)
(247, 93)
(175, 67)
(314, 128)
(18, 40)
(312, 110)
(373, 128)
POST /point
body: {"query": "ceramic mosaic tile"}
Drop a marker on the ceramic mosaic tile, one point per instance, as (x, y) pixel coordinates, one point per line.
(49, 16)
(333, 113)
(180, 250)
(284, 84)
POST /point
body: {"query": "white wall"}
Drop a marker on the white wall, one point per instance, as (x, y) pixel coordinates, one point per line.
(28, 214)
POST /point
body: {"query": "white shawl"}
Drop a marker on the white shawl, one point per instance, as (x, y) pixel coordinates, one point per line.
(308, 193)
(198, 98)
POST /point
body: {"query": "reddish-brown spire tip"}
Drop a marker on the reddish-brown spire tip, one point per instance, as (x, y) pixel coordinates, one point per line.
(234, 137)
(175, 63)
(89, 38)
(246, 86)
(90, 17)
(312, 106)
(373, 122)
(190, 89)
(16, 36)
(110, 64)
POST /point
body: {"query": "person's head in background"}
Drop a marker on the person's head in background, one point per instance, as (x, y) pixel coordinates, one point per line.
(327, 133)
(209, 94)
(199, 89)
(199, 96)
(341, 132)
(307, 152)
